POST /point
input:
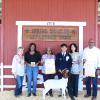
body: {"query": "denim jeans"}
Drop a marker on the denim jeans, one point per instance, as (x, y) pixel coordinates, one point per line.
(88, 85)
(19, 84)
(32, 73)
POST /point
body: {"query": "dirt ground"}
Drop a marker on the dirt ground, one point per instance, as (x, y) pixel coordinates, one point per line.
(9, 95)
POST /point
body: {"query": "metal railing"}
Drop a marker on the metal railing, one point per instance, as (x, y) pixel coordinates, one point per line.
(2, 77)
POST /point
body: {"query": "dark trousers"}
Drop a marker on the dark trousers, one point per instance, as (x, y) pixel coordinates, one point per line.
(75, 78)
(46, 77)
(88, 85)
(70, 86)
(59, 75)
(19, 84)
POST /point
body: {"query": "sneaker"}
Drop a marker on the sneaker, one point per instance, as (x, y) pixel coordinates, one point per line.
(59, 95)
(17, 96)
(76, 95)
(86, 96)
(29, 95)
(72, 98)
(93, 98)
(34, 94)
(51, 95)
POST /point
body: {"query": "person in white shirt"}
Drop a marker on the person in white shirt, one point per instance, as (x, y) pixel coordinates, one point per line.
(18, 70)
(91, 62)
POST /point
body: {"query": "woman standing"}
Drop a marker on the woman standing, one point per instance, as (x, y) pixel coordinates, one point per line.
(18, 70)
(47, 56)
(75, 70)
(32, 59)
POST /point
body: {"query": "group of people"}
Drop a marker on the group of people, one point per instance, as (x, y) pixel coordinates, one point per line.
(67, 59)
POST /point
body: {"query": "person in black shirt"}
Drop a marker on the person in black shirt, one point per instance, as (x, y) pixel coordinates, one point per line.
(32, 59)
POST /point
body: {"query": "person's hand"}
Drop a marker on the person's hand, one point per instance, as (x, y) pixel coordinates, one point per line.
(84, 60)
(83, 71)
(59, 70)
(36, 64)
(79, 72)
(79, 61)
(29, 64)
(42, 62)
(98, 72)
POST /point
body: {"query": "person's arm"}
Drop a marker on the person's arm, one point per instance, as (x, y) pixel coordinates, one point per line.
(80, 63)
(26, 59)
(84, 56)
(98, 67)
(84, 60)
(69, 62)
(38, 58)
(42, 60)
(57, 63)
(14, 65)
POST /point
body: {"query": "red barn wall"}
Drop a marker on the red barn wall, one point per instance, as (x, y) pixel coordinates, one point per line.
(0, 42)
(45, 10)
(99, 35)
(35, 10)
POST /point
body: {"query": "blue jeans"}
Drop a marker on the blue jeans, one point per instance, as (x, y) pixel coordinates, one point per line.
(19, 84)
(88, 85)
(32, 73)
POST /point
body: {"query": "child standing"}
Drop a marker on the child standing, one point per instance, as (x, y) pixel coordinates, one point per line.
(18, 70)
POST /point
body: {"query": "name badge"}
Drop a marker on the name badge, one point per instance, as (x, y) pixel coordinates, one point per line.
(67, 58)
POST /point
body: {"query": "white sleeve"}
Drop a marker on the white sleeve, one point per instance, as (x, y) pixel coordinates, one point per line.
(99, 59)
(43, 59)
(14, 64)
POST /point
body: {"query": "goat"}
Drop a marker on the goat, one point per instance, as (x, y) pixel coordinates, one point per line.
(56, 84)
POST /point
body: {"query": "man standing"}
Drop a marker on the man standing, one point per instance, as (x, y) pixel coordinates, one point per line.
(91, 62)
(64, 61)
